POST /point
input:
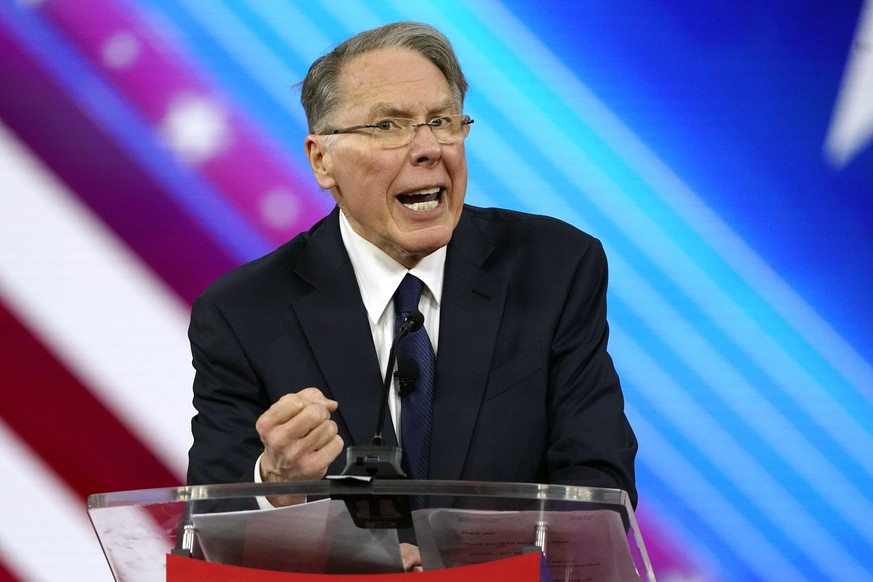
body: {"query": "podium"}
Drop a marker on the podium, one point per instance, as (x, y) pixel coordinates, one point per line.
(352, 528)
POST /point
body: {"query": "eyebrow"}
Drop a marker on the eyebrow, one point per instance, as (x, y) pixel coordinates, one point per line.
(397, 110)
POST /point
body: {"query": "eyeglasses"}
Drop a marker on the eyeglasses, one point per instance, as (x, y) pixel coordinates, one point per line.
(395, 132)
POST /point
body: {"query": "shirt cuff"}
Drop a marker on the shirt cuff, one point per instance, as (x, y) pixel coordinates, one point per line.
(263, 502)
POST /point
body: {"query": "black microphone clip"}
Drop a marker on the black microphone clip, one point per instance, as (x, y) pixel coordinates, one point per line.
(407, 374)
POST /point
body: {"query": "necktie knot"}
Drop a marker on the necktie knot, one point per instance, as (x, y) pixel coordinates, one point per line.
(407, 296)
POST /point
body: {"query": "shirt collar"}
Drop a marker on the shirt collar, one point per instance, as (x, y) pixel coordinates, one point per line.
(379, 275)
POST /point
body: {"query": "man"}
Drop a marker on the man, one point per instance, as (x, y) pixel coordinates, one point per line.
(290, 349)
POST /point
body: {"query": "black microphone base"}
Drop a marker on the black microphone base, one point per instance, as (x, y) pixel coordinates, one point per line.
(380, 461)
(368, 510)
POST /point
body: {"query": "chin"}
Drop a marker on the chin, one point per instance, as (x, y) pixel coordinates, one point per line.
(421, 247)
(430, 240)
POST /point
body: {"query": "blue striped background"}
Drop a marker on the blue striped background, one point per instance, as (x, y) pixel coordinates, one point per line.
(689, 139)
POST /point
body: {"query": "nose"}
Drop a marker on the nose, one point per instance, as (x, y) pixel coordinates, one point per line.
(424, 147)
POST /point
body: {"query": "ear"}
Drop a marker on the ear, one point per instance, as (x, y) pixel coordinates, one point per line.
(320, 160)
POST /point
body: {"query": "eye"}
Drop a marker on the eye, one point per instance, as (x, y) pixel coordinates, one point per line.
(440, 121)
(387, 125)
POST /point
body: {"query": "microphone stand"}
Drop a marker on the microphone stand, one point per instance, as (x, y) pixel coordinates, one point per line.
(364, 463)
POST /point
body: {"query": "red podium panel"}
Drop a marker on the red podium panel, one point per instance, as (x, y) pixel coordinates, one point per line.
(525, 568)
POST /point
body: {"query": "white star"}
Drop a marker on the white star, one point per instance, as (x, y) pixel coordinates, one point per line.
(120, 50)
(852, 122)
(195, 128)
(279, 208)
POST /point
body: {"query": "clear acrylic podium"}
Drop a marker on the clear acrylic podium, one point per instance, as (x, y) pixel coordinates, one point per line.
(352, 528)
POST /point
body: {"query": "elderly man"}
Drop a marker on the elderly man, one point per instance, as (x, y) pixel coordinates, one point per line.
(514, 382)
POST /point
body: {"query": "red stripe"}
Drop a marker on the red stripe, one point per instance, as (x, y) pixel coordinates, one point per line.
(62, 421)
(6, 574)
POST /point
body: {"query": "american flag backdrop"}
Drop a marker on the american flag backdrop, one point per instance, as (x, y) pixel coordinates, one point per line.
(721, 151)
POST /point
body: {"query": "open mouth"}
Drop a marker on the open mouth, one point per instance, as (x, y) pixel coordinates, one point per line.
(421, 200)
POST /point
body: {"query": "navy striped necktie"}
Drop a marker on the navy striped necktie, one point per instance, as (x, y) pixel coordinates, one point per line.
(416, 404)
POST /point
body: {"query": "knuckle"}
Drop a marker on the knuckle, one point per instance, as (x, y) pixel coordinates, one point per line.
(288, 399)
(316, 413)
(311, 393)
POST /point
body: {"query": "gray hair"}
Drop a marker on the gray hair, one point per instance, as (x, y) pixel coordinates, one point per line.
(319, 94)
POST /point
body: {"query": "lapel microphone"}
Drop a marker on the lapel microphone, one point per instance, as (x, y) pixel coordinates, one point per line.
(407, 374)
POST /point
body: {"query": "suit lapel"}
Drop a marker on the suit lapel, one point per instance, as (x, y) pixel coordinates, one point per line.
(335, 324)
(470, 314)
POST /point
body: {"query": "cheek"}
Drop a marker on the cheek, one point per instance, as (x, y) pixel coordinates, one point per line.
(363, 192)
(368, 173)
(458, 173)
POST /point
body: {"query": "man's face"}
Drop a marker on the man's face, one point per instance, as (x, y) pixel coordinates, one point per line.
(405, 200)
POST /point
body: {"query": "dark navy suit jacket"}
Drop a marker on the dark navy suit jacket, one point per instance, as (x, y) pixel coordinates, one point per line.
(525, 389)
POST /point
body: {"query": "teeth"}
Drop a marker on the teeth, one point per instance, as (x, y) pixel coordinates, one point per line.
(425, 192)
(410, 201)
(422, 206)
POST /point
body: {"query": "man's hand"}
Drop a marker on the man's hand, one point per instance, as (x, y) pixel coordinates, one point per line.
(300, 440)
(411, 558)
